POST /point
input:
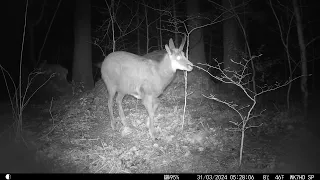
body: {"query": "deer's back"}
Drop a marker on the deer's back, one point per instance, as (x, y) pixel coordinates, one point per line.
(132, 74)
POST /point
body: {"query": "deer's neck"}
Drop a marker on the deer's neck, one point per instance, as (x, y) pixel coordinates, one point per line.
(165, 67)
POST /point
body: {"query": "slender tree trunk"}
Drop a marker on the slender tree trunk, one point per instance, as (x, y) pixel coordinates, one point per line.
(138, 31)
(147, 27)
(82, 62)
(176, 37)
(304, 68)
(113, 20)
(230, 39)
(31, 25)
(160, 26)
(196, 46)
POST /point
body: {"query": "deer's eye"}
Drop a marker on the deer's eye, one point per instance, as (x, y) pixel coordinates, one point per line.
(178, 57)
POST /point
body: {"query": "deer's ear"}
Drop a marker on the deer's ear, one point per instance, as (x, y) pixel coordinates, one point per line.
(168, 49)
(171, 44)
(182, 43)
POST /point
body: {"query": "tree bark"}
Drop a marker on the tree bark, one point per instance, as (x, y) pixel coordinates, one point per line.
(82, 60)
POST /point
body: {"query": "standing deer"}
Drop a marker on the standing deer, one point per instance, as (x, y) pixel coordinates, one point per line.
(126, 73)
